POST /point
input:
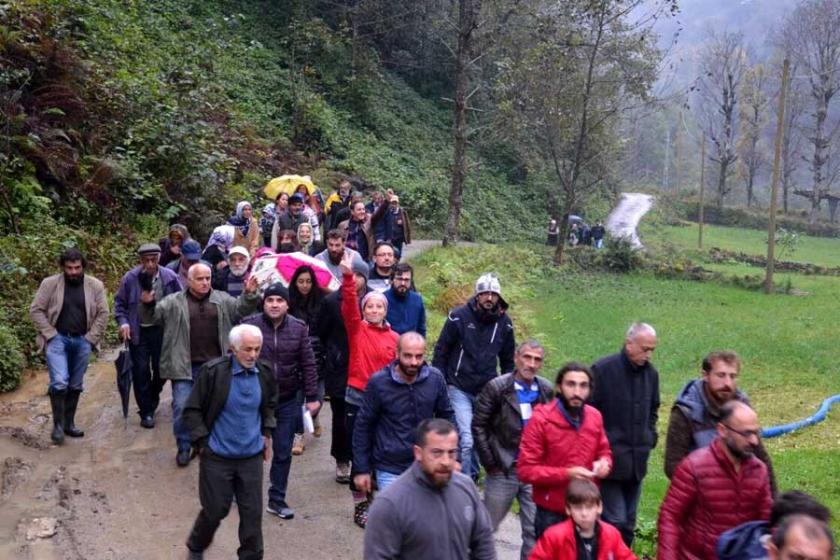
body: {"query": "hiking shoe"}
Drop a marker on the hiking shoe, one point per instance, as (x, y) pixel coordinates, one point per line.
(280, 509)
(299, 445)
(183, 457)
(193, 555)
(360, 515)
(342, 473)
(148, 422)
(317, 424)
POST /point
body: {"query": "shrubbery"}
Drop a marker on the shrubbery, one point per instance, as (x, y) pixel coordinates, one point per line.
(13, 362)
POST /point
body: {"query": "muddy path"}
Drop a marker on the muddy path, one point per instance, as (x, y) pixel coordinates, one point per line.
(117, 493)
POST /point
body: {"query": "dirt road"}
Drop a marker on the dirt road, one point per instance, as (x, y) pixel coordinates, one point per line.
(117, 493)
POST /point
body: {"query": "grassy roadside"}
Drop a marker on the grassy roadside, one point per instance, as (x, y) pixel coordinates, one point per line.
(786, 342)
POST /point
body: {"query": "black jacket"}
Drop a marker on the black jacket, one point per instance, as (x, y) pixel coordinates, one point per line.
(287, 351)
(329, 328)
(210, 393)
(497, 421)
(628, 398)
(468, 347)
(386, 425)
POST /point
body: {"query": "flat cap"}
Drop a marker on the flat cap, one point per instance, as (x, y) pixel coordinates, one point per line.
(148, 249)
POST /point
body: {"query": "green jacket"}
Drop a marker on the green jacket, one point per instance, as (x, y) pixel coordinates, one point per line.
(173, 313)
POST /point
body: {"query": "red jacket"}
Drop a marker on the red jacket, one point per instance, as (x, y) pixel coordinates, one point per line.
(550, 445)
(708, 496)
(558, 543)
(372, 347)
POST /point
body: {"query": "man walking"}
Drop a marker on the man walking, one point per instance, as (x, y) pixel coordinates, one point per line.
(138, 328)
(70, 311)
(230, 416)
(336, 248)
(396, 399)
(231, 279)
(406, 311)
(475, 336)
(627, 395)
(287, 350)
(432, 512)
(563, 440)
(501, 412)
(196, 323)
(696, 413)
(380, 270)
(714, 489)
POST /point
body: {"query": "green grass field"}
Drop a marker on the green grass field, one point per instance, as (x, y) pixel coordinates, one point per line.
(786, 342)
(821, 251)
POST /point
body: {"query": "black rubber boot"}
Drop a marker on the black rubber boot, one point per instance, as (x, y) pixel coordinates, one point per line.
(71, 402)
(57, 404)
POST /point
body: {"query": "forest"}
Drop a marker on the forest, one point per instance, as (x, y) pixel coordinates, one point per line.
(488, 116)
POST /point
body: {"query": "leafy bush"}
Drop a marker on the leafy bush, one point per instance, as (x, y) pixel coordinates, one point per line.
(619, 255)
(13, 362)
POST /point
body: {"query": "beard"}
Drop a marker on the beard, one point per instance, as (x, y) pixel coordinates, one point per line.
(239, 270)
(335, 258)
(573, 410)
(738, 453)
(74, 280)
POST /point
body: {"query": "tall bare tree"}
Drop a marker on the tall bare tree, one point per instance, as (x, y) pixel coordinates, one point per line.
(812, 34)
(792, 138)
(722, 65)
(751, 153)
(572, 68)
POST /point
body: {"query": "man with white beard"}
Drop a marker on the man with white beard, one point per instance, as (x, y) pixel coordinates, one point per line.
(231, 279)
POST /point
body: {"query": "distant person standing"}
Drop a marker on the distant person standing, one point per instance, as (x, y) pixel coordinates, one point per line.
(475, 337)
(335, 203)
(229, 416)
(432, 512)
(553, 234)
(598, 233)
(627, 394)
(170, 246)
(70, 312)
(247, 230)
(397, 227)
(138, 328)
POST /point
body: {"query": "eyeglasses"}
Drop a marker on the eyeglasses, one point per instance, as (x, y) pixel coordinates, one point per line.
(745, 434)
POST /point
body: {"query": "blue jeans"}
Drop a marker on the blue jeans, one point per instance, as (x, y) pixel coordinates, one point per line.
(384, 479)
(499, 492)
(181, 389)
(621, 500)
(67, 361)
(287, 413)
(462, 404)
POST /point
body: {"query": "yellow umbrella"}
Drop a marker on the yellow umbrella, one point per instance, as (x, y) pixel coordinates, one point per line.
(288, 184)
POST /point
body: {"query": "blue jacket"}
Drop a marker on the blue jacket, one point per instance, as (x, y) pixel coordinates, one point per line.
(127, 300)
(469, 346)
(384, 432)
(743, 542)
(406, 314)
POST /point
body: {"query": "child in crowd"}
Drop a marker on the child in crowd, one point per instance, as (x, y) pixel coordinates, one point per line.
(584, 536)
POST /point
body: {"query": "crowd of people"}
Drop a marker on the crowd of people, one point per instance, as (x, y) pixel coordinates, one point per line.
(249, 365)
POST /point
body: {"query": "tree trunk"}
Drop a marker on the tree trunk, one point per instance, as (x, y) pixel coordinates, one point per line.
(564, 234)
(466, 26)
(820, 157)
(750, 182)
(721, 186)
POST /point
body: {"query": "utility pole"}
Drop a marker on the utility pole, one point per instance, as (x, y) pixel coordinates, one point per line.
(774, 190)
(702, 189)
(665, 178)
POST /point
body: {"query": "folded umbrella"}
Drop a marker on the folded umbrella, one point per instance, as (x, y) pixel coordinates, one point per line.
(123, 365)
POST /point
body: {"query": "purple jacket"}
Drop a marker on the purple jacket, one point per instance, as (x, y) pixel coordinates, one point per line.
(287, 351)
(128, 297)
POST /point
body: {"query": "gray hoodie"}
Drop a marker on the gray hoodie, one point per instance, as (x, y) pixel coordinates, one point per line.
(413, 519)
